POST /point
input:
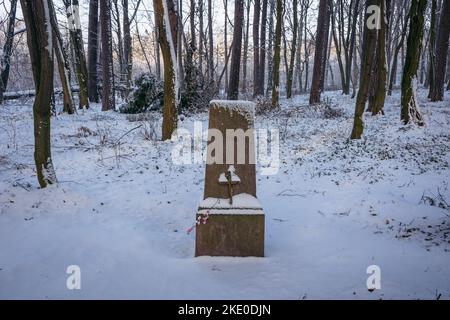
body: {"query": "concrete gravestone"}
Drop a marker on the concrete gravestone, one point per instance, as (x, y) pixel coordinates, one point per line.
(230, 218)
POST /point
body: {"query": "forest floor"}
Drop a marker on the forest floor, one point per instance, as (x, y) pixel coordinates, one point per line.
(122, 209)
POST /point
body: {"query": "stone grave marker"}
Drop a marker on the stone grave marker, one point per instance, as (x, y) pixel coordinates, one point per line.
(230, 218)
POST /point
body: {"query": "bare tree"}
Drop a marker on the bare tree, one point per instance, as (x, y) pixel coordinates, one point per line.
(108, 93)
(322, 31)
(5, 57)
(93, 51)
(63, 63)
(167, 23)
(410, 108)
(76, 38)
(277, 56)
(437, 90)
(290, 73)
(368, 52)
(233, 86)
(40, 44)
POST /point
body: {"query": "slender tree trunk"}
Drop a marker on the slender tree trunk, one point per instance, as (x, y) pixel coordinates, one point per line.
(270, 46)
(93, 51)
(437, 92)
(165, 14)
(256, 18)
(326, 29)
(225, 42)
(36, 14)
(277, 56)
(211, 43)
(76, 36)
(201, 36)
(108, 94)
(368, 52)
(393, 73)
(5, 58)
(409, 104)
(63, 64)
(127, 48)
(432, 48)
(262, 53)
(314, 97)
(380, 94)
(290, 73)
(245, 57)
(233, 89)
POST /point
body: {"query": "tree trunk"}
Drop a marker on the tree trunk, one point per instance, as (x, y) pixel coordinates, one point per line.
(93, 51)
(437, 92)
(76, 37)
(39, 38)
(233, 89)
(5, 58)
(256, 16)
(245, 57)
(380, 93)
(368, 52)
(262, 53)
(290, 73)
(166, 14)
(108, 94)
(432, 48)
(270, 46)
(127, 49)
(63, 63)
(326, 29)
(399, 46)
(277, 56)
(211, 43)
(314, 97)
(409, 104)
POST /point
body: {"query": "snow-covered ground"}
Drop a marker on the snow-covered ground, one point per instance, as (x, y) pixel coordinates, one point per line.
(121, 209)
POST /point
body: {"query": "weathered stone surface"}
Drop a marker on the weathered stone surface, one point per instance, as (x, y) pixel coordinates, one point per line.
(233, 226)
(225, 115)
(238, 235)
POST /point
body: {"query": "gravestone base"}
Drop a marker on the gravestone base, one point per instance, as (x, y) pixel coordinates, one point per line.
(230, 232)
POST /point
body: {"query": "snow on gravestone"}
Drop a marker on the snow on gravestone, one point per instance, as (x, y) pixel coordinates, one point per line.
(231, 219)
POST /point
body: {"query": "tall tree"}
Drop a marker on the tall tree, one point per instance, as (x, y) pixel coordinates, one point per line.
(262, 51)
(245, 53)
(277, 56)
(380, 93)
(256, 18)
(210, 43)
(437, 91)
(5, 57)
(63, 63)
(108, 93)
(233, 86)
(93, 51)
(167, 23)
(76, 38)
(321, 36)
(290, 74)
(409, 104)
(432, 48)
(270, 46)
(40, 44)
(368, 52)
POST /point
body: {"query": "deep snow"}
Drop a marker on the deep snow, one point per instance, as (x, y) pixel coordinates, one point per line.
(121, 209)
